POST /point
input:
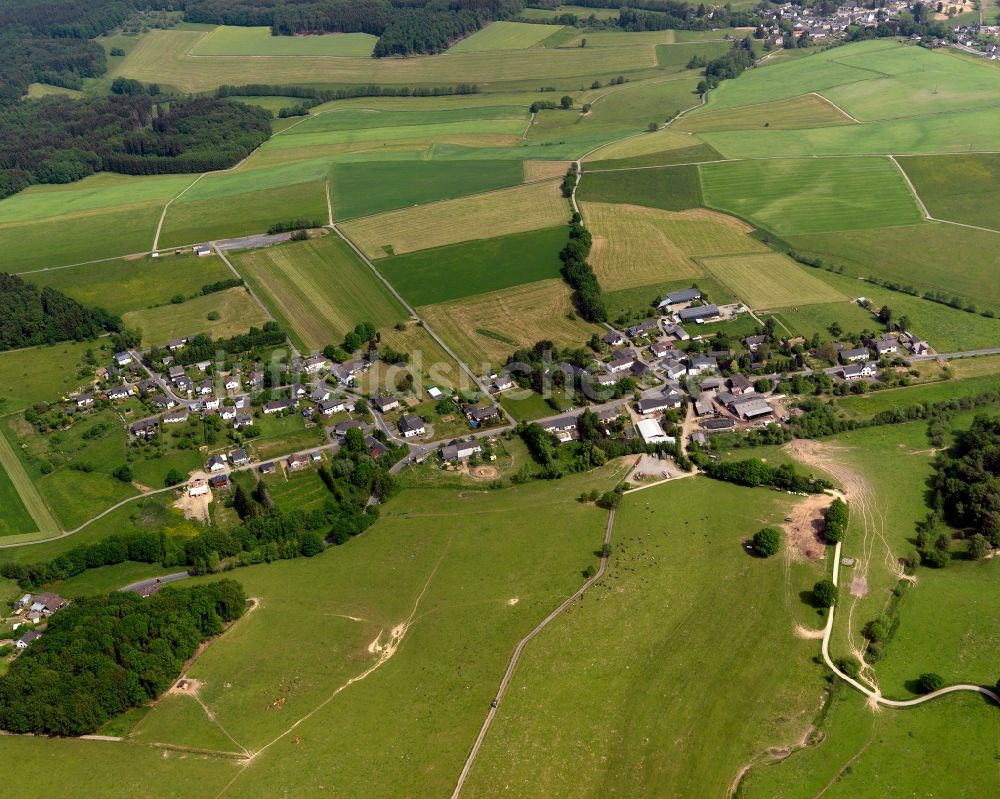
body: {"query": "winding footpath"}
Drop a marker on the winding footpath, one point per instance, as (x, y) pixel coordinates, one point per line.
(876, 696)
(516, 656)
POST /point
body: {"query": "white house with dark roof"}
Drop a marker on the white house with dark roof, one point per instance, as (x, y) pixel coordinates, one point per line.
(854, 355)
(856, 371)
(411, 425)
(460, 450)
(123, 358)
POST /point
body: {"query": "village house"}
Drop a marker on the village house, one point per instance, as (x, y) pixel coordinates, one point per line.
(162, 402)
(175, 344)
(375, 447)
(25, 640)
(317, 363)
(320, 393)
(661, 349)
(220, 482)
(243, 420)
(561, 424)
(740, 384)
(703, 405)
(411, 425)
(697, 364)
(176, 417)
(854, 355)
(239, 457)
(212, 403)
(205, 387)
(146, 385)
(673, 368)
(345, 373)
(175, 371)
(256, 379)
(614, 339)
(385, 402)
(460, 450)
(479, 415)
(122, 359)
(677, 332)
(227, 412)
(145, 428)
(232, 383)
(886, 346)
(279, 405)
(120, 392)
(664, 402)
(297, 461)
(268, 468)
(217, 463)
(351, 424)
(754, 343)
(644, 329)
(47, 603)
(84, 400)
(622, 363)
(856, 371)
(202, 366)
(184, 383)
(502, 383)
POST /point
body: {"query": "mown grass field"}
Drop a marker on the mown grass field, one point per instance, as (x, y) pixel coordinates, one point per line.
(126, 285)
(871, 756)
(428, 554)
(662, 140)
(23, 382)
(486, 328)
(232, 40)
(90, 236)
(372, 187)
(670, 189)
(959, 188)
(789, 196)
(921, 256)
(504, 36)
(612, 714)
(530, 207)
(317, 289)
(807, 111)
(237, 311)
(461, 270)
(164, 56)
(635, 246)
(770, 280)
(696, 154)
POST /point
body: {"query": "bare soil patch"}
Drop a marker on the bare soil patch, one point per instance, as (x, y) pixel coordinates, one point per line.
(804, 527)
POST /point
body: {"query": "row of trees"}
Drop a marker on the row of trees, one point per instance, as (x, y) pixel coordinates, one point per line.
(203, 347)
(580, 275)
(754, 472)
(61, 140)
(33, 316)
(104, 655)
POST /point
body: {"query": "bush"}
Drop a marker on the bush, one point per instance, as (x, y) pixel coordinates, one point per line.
(766, 541)
(930, 681)
(173, 478)
(849, 666)
(213, 316)
(123, 473)
(825, 593)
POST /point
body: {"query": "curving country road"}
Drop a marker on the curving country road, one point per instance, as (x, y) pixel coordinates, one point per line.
(876, 696)
(505, 682)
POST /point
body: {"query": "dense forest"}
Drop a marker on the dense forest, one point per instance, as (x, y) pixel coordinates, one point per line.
(60, 140)
(34, 316)
(101, 656)
(966, 480)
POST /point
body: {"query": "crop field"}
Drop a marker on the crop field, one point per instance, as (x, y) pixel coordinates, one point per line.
(487, 328)
(59, 241)
(663, 140)
(372, 187)
(461, 270)
(192, 220)
(504, 36)
(232, 40)
(635, 246)
(770, 280)
(636, 730)
(317, 289)
(164, 56)
(807, 111)
(670, 189)
(125, 285)
(619, 38)
(15, 520)
(429, 364)
(696, 154)
(540, 170)
(921, 256)
(959, 188)
(530, 207)
(237, 311)
(865, 755)
(839, 194)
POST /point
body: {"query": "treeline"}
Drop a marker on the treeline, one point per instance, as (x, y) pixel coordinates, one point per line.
(203, 347)
(580, 275)
(33, 316)
(731, 65)
(221, 285)
(966, 481)
(754, 472)
(28, 59)
(104, 655)
(285, 225)
(61, 140)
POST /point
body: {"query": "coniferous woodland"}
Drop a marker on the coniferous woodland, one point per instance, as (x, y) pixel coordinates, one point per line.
(101, 656)
(35, 316)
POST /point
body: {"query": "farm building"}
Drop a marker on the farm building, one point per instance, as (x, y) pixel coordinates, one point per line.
(750, 408)
(699, 313)
(652, 433)
(458, 451)
(740, 384)
(679, 297)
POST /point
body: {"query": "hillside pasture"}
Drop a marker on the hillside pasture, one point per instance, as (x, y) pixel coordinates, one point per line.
(22, 383)
(637, 731)
(504, 36)
(770, 281)
(371, 187)
(696, 154)
(317, 289)
(789, 196)
(164, 56)
(15, 519)
(79, 238)
(239, 41)
(484, 329)
(429, 364)
(675, 188)
(237, 311)
(806, 111)
(959, 188)
(461, 270)
(635, 246)
(529, 207)
(663, 140)
(921, 256)
(135, 283)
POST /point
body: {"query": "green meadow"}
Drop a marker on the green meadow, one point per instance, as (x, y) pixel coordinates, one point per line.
(670, 189)
(227, 40)
(23, 382)
(790, 196)
(959, 188)
(371, 187)
(504, 36)
(127, 285)
(15, 519)
(461, 270)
